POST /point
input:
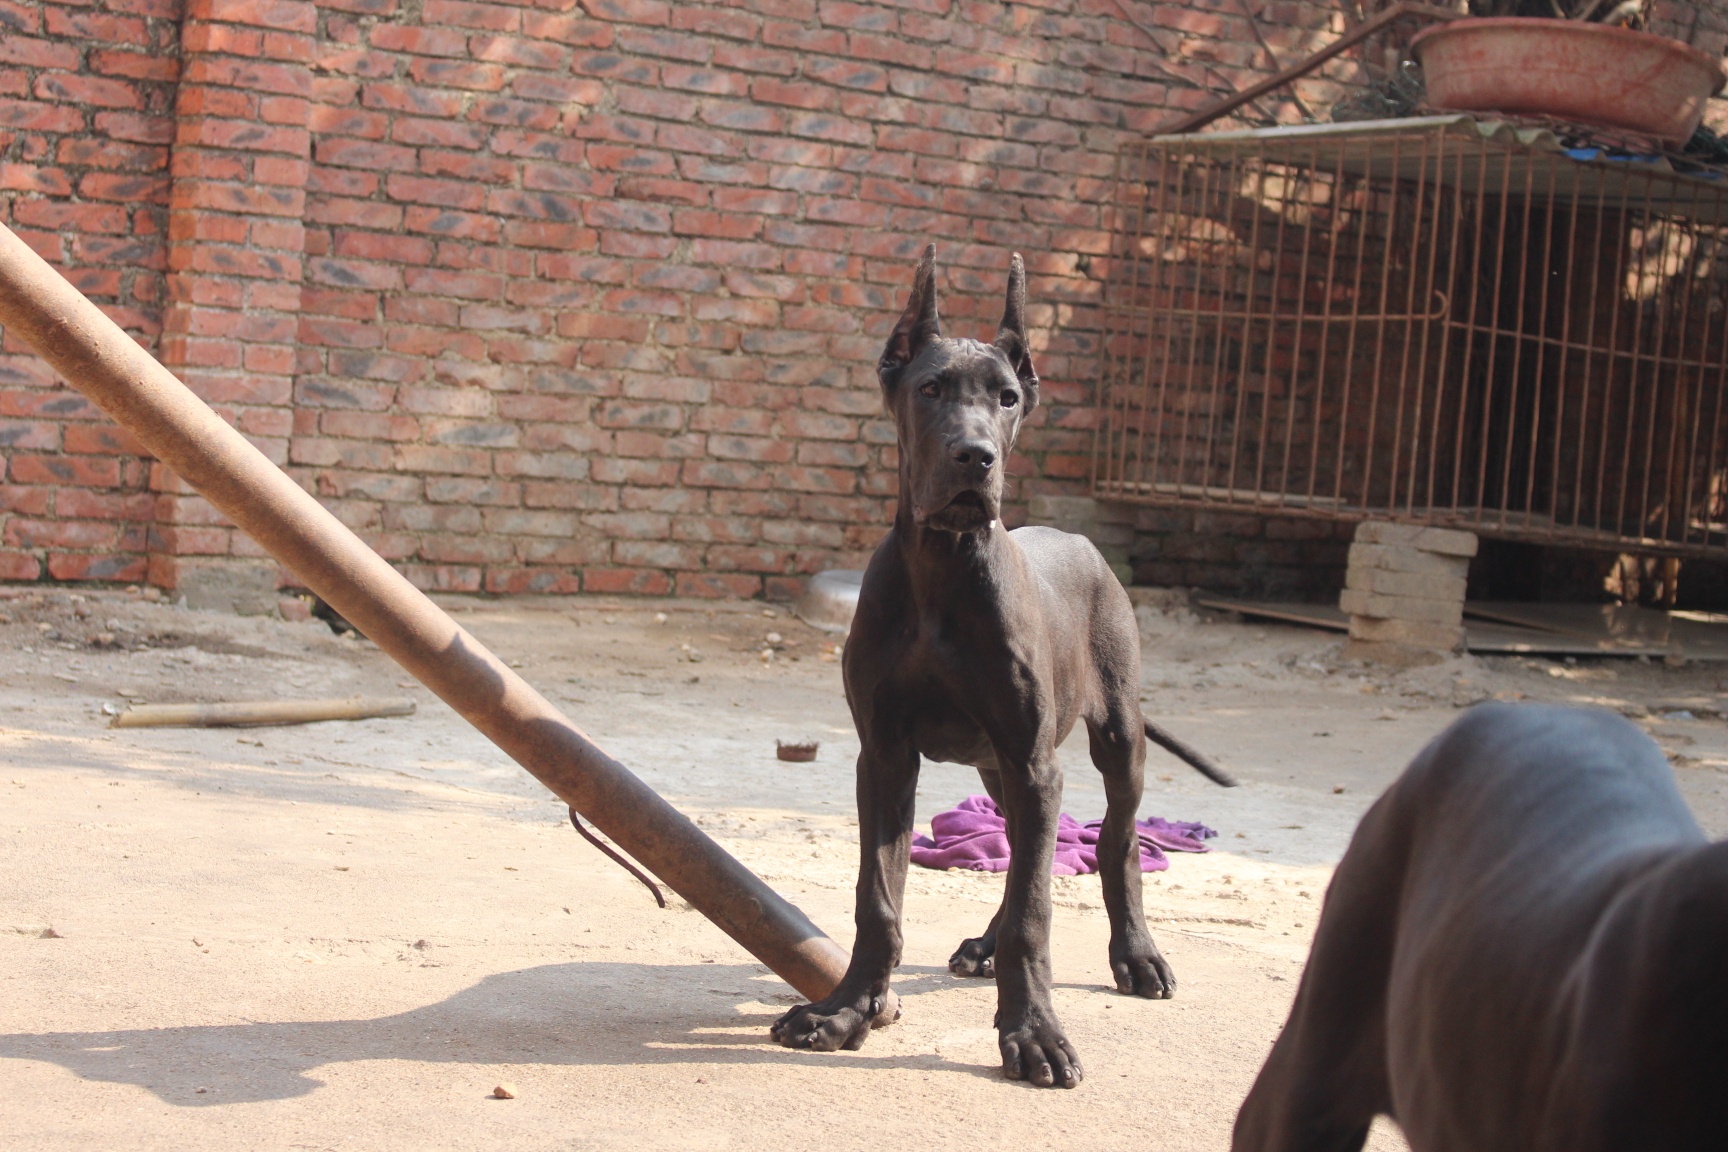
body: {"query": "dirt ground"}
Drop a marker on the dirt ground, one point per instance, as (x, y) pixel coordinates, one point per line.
(343, 935)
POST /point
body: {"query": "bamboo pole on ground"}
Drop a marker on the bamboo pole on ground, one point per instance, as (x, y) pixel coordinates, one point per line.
(40, 308)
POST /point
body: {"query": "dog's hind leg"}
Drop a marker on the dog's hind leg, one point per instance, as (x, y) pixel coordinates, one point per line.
(976, 956)
(1119, 753)
(1326, 1078)
(887, 792)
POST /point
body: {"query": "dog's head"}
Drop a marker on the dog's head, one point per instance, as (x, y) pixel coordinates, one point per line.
(957, 404)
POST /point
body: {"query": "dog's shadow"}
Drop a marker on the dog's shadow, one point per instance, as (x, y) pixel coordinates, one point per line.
(576, 1014)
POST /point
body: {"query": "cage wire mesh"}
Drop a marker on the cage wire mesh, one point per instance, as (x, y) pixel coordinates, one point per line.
(1434, 320)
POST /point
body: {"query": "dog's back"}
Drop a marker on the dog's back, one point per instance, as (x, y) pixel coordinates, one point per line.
(1478, 942)
(1085, 606)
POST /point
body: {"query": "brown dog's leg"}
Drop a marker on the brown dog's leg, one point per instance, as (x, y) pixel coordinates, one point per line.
(1326, 1078)
(887, 792)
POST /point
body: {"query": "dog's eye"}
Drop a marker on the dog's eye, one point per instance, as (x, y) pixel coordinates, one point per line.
(928, 389)
(1009, 399)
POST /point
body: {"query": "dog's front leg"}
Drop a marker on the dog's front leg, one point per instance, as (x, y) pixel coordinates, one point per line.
(1033, 1045)
(887, 795)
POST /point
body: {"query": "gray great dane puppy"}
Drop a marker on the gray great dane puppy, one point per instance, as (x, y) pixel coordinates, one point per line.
(1523, 950)
(979, 646)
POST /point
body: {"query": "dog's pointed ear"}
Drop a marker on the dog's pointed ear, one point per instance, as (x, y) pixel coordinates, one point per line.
(1011, 338)
(918, 325)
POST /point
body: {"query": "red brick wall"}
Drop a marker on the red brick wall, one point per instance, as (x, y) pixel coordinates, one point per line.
(553, 297)
(86, 119)
(1257, 557)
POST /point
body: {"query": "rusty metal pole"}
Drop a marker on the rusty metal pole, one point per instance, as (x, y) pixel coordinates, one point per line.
(40, 308)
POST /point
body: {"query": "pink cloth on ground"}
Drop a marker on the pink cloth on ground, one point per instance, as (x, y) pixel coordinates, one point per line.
(974, 835)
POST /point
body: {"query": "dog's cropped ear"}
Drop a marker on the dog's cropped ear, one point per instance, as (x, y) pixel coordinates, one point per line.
(1011, 338)
(917, 325)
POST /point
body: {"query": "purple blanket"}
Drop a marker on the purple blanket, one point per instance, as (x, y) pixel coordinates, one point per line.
(974, 835)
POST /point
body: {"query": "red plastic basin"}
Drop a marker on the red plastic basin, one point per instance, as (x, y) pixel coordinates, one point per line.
(1586, 74)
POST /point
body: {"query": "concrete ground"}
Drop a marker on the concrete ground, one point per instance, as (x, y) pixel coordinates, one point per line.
(344, 935)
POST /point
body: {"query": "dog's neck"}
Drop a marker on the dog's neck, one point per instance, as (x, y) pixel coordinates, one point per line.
(942, 564)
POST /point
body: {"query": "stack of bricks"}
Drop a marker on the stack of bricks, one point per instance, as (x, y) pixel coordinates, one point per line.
(1405, 585)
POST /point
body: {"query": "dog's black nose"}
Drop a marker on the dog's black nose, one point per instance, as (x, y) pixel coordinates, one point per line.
(969, 452)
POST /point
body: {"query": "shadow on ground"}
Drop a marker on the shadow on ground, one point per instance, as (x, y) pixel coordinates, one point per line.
(572, 1014)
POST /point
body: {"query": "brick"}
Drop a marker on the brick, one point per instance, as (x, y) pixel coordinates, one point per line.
(567, 29)
(719, 585)
(533, 581)
(1356, 602)
(646, 12)
(19, 566)
(1441, 637)
(628, 581)
(466, 74)
(119, 569)
(1420, 586)
(1443, 541)
(491, 17)
(364, 154)
(1396, 559)
(39, 53)
(290, 15)
(420, 41)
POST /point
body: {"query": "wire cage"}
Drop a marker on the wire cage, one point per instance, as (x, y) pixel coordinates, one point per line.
(1434, 320)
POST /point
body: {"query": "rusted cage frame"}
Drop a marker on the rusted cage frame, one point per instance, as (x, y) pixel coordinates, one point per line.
(1441, 171)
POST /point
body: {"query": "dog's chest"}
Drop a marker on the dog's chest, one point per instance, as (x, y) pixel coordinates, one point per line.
(943, 708)
(942, 732)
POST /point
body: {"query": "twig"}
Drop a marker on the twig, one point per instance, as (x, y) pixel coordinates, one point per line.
(576, 823)
(1260, 35)
(1197, 120)
(1223, 86)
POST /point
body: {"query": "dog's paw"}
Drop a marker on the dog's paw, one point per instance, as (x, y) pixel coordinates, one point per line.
(835, 1023)
(1035, 1050)
(1142, 972)
(973, 958)
(887, 1008)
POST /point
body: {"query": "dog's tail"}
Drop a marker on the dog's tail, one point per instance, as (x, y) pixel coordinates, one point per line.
(1184, 751)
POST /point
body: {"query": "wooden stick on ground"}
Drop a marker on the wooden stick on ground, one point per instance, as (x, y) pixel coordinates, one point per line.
(246, 713)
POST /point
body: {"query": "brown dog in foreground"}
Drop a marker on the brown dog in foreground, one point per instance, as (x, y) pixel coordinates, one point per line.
(1525, 948)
